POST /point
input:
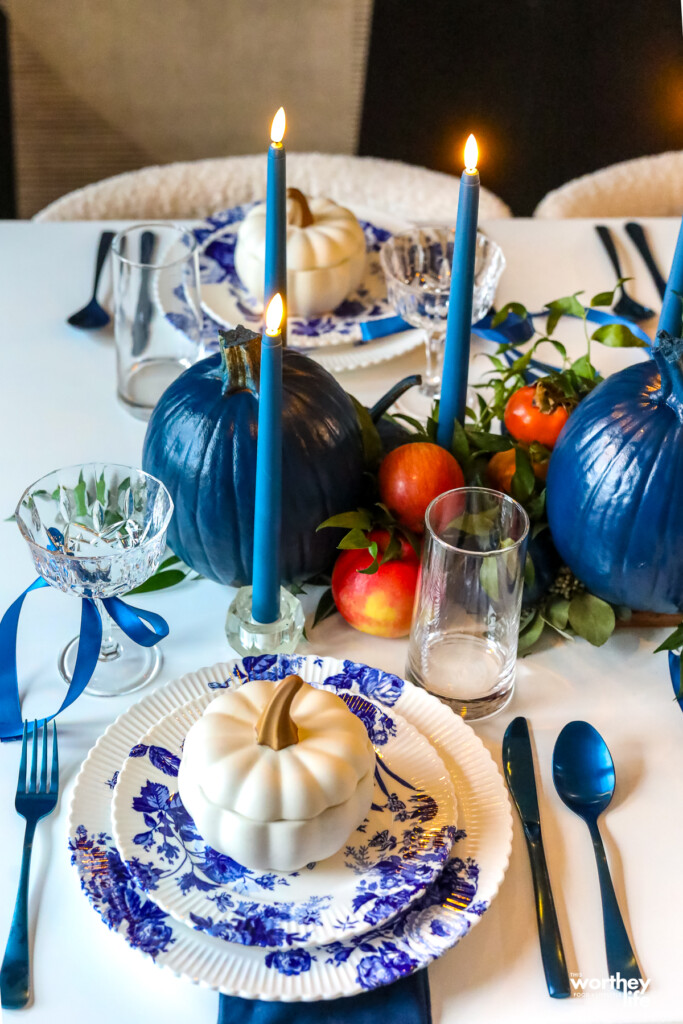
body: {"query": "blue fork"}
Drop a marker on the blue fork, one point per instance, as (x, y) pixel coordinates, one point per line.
(33, 801)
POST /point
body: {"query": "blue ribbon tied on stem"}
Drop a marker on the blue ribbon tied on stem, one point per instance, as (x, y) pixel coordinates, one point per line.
(130, 620)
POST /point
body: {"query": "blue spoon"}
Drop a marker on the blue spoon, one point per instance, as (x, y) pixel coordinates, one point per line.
(583, 772)
(93, 316)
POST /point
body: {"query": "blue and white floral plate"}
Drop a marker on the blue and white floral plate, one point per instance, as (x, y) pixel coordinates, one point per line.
(430, 926)
(385, 866)
(333, 340)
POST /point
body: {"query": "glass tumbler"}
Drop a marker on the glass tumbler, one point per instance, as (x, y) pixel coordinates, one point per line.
(463, 641)
(158, 319)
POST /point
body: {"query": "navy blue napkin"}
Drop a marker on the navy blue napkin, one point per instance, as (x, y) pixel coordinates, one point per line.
(404, 1002)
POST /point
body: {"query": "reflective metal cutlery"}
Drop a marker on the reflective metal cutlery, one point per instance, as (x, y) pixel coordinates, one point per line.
(143, 312)
(93, 315)
(637, 235)
(518, 765)
(625, 306)
(583, 772)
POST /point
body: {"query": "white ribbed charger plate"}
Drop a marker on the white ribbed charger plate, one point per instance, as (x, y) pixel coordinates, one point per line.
(449, 908)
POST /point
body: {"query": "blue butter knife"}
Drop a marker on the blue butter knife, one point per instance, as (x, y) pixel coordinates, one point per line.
(518, 765)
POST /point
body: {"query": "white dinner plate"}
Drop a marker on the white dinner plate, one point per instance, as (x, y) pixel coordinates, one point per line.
(385, 865)
(431, 926)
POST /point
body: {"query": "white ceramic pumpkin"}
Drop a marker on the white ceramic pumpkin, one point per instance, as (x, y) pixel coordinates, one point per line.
(277, 775)
(325, 253)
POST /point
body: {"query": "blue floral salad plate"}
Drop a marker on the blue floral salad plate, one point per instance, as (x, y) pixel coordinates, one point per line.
(426, 929)
(333, 339)
(384, 867)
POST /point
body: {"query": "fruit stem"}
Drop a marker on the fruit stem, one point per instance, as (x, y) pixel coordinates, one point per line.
(668, 354)
(392, 395)
(240, 360)
(276, 728)
(302, 216)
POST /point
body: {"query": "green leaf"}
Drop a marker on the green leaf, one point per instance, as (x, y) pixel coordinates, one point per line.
(535, 508)
(372, 443)
(79, 497)
(617, 336)
(584, 368)
(523, 481)
(673, 641)
(607, 298)
(557, 612)
(393, 549)
(512, 307)
(487, 442)
(160, 581)
(530, 634)
(168, 562)
(358, 520)
(529, 572)
(371, 569)
(354, 540)
(326, 607)
(295, 588)
(488, 577)
(460, 445)
(101, 489)
(568, 306)
(592, 618)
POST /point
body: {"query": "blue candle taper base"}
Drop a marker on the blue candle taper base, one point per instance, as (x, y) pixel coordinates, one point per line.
(249, 637)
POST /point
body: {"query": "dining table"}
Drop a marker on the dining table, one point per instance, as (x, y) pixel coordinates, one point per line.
(58, 407)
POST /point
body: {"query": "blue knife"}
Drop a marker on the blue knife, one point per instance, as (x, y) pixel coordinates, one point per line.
(518, 765)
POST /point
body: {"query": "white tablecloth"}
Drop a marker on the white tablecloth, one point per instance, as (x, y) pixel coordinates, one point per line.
(58, 406)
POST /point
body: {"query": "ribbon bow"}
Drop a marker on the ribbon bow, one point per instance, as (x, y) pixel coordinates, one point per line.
(129, 620)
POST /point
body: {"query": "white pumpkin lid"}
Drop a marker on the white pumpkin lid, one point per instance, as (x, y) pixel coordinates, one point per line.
(321, 769)
(333, 237)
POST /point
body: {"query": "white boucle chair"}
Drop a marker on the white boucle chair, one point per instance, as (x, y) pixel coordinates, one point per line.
(196, 188)
(650, 186)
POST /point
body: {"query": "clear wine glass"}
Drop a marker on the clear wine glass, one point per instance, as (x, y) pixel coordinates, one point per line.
(99, 530)
(417, 268)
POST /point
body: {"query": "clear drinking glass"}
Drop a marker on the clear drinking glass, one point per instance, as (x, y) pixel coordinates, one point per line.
(98, 531)
(463, 641)
(417, 268)
(158, 318)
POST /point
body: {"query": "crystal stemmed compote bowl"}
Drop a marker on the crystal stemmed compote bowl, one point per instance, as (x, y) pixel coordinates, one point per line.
(417, 268)
(99, 531)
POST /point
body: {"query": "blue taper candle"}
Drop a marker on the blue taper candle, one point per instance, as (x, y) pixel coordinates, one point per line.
(276, 214)
(672, 307)
(456, 359)
(265, 598)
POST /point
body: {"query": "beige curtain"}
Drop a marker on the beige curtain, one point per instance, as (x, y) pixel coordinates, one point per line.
(104, 86)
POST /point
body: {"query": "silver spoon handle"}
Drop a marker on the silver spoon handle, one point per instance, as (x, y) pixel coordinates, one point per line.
(620, 956)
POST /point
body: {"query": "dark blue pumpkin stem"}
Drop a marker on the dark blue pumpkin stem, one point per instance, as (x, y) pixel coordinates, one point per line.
(668, 353)
(240, 360)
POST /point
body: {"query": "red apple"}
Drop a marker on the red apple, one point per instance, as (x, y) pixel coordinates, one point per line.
(381, 603)
(413, 475)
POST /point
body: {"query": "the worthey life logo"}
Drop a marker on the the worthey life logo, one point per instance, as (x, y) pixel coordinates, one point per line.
(615, 983)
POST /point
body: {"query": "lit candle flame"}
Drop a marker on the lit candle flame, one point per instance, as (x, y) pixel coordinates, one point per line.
(277, 129)
(471, 154)
(274, 313)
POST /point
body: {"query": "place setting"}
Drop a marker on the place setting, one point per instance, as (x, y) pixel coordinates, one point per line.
(287, 826)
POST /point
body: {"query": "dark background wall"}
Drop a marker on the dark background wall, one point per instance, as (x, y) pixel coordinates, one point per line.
(551, 88)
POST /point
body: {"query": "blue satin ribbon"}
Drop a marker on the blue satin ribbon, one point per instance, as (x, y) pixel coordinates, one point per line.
(512, 329)
(675, 673)
(129, 620)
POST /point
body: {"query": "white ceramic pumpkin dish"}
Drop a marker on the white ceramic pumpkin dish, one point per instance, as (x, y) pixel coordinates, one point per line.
(277, 774)
(384, 867)
(325, 254)
(448, 910)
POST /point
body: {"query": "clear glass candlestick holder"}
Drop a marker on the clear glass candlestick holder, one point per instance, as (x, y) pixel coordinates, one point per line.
(98, 531)
(417, 269)
(463, 641)
(249, 637)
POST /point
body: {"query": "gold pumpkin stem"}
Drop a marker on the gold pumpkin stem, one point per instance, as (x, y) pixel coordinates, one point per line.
(303, 216)
(276, 728)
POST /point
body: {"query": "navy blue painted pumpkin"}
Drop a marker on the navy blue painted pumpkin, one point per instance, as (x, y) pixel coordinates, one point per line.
(615, 485)
(201, 442)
